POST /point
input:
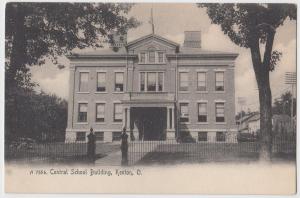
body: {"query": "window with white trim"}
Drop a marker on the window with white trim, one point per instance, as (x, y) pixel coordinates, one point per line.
(202, 112)
(100, 112)
(220, 112)
(152, 56)
(201, 81)
(220, 137)
(143, 57)
(219, 81)
(183, 81)
(184, 112)
(116, 136)
(101, 81)
(119, 81)
(83, 82)
(151, 81)
(160, 57)
(82, 112)
(118, 112)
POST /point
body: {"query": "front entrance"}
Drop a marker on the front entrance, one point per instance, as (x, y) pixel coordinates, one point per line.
(150, 122)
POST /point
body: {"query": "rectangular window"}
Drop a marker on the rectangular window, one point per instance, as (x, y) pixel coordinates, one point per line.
(142, 57)
(101, 81)
(118, 114)
(219, 81)
(80, 136)
(142, 85)
(220, 113)
(202, 112)
(220, 136)
(184, 112)
(100, 112)
(183, 81)
(119, 81)
(99, 136)
(84, 82)
(82, 112)
(201, 81)
(160, 57)
(116, 136)
(151, 56)
(160, 81)
(151, 81)
(202, 136)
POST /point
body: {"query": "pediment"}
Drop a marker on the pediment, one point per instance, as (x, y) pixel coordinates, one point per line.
(152, 41)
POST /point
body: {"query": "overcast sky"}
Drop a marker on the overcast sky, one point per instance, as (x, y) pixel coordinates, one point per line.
(171, 20)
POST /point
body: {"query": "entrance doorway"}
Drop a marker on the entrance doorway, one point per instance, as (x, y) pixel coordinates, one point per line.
(150, 122)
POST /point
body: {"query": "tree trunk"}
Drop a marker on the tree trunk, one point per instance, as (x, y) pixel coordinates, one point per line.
(265, 101)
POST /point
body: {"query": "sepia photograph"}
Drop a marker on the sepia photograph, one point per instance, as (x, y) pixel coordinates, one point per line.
(169, 98)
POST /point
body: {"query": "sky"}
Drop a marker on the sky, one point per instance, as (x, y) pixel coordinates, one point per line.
(171, 20)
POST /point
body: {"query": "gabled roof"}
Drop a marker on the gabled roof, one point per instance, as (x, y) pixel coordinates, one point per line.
(152, 36)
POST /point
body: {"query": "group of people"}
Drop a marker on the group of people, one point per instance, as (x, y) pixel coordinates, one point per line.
(91, 146)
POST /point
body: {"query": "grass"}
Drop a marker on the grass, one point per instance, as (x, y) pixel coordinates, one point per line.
(58, 152)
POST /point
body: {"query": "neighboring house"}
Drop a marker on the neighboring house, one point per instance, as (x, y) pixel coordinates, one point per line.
(155, 88)
(251, 124)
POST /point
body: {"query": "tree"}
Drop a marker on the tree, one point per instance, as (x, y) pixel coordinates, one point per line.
(35, 32)
(252, 26)
(283, 104)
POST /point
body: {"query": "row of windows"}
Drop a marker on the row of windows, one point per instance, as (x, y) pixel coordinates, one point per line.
(201, 81)
(81, 136)
(152, 56)
(101, 82)
(100, 112)
(151, 81)
(203, 137)
(202, 112)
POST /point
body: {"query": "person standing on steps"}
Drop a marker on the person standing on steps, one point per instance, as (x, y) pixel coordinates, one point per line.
(124, 147)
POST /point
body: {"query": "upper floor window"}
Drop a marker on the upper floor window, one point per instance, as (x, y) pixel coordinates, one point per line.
(160, 57)
(142, 57)
(100, 111)
(184, 112)
(84, 82)
(202, 112)
(118, 115)
(201, 81)
(151, 81)
(101, 82)
(82, 112)
(219, 81)
(220, 112)
(183, 81)
(119, 81)
(152, 56)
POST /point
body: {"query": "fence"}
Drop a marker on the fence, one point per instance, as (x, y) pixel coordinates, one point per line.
(171, 151)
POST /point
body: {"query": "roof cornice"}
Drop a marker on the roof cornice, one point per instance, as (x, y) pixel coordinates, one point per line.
(100, 56)
(154, 36)
(205, 56)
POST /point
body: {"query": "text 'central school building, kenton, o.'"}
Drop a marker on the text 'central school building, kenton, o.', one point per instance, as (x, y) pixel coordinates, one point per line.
(155, 88)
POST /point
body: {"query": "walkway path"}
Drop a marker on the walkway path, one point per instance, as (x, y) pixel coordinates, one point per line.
(136, 151)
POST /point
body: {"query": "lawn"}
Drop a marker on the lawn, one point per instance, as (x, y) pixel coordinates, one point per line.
(58, 152)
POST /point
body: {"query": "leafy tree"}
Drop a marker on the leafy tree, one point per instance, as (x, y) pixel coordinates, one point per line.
(283, 104)
(35, 32)
(252, 26)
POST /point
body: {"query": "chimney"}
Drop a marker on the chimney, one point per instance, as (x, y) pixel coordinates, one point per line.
(117, 40)
(192, 39)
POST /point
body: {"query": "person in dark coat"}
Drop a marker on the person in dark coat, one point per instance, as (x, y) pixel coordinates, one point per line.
(91, 144)
(124, 147)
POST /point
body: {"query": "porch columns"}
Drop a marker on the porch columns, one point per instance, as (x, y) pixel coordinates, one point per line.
(168, 118)
(173, 119)
(128, 119)
(124, 118)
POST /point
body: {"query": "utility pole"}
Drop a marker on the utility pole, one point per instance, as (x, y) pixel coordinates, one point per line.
(291, 79)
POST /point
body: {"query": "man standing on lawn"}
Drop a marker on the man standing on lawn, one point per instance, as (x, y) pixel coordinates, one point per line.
(124, 147)
(91, 145)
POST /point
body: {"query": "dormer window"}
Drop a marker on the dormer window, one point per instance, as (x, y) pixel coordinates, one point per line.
(152, 56)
